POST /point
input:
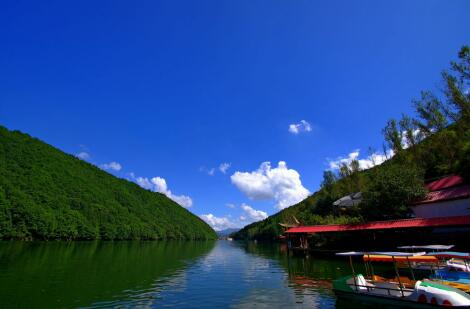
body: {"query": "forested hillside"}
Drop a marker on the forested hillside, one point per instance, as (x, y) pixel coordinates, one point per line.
(432, 143)
(48, 194)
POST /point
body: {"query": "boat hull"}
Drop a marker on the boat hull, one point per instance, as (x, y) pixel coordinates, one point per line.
(389, 302)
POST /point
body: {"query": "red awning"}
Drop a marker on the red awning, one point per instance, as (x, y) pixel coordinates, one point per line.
(379, 225)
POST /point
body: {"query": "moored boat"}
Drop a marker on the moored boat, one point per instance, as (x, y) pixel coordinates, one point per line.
(456, 271)
(399, 290)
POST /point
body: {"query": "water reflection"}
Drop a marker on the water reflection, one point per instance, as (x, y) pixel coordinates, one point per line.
(164, 274)
(78, 274)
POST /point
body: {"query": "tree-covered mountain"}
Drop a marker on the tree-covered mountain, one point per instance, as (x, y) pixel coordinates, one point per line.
(433, 143)
(48, 194)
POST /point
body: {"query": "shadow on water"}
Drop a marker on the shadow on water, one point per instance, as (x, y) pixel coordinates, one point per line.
(79, 274)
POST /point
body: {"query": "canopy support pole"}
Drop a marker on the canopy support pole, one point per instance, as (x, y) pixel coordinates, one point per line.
(398, 276)
(353, 272)
(411, 269)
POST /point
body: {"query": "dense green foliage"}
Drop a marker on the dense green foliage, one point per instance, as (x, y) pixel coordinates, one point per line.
(390, 191)
(434, 144)
(48, 194)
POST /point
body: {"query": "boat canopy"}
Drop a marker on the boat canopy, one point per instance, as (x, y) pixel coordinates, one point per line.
(411, 258)
(350, 253)
(396, 253)
(451, 254)
(354, 253)
(430, 247)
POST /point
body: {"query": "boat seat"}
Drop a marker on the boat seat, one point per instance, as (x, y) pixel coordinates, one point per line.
(362, 282)
(406, 282)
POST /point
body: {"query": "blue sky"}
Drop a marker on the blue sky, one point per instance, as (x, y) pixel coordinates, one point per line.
(170, 90)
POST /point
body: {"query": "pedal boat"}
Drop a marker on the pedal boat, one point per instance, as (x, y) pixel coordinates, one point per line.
(400, 291)
(456, 271)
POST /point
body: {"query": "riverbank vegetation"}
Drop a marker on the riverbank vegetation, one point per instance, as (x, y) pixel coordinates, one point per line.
(434, 142)
(48, 194)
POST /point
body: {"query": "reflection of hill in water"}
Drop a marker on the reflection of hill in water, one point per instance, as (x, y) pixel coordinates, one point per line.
(60, 274)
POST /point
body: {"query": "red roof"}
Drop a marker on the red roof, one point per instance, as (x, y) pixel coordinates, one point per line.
(446, 194)
(446, 182)
(380, 225)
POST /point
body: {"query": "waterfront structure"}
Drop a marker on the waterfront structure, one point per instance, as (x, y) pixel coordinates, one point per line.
(444, 213)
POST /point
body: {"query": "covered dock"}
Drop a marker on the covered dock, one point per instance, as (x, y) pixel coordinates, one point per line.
(297, 237)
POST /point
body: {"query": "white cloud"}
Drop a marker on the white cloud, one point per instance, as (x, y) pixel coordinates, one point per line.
(229, 205)
(158, 184)
(114, 166)
(83, 155)
(302, 126)
(248, 216)
(280, 184)
(223, 167)
(210, 171)
(218, 223)
(372, 160)
(255, 215)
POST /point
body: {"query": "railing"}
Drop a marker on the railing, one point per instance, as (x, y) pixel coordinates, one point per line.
(368, 287)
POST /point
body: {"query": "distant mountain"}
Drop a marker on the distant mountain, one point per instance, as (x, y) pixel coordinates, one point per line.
(48, 194)
(226, 232)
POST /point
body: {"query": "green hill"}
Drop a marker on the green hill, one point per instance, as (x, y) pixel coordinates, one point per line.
(433, 144)
(48, 194)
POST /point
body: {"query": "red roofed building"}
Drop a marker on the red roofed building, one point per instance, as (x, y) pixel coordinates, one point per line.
(447, 197)
(383, 225)
(442, 216)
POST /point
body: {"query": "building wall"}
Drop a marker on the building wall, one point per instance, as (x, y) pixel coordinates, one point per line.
(443, 209)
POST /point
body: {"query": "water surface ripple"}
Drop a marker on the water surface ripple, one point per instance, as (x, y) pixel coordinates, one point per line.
(218, 274)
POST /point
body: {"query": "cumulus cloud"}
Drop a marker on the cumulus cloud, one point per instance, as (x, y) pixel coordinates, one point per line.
(255, 215)
(248, 216)
(158, 184)
(230, 205)
(218, 223)
(114, 166)
(280, 184)
(83, 155)
(302, 126)
(223, 167)
(371, 160)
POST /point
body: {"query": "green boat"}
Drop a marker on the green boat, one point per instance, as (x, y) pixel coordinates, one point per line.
(400, 291)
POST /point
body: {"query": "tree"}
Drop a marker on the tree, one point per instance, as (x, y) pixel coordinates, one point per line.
(410, 131)
(464, 162)
(329, 179)
(391, 190)
(432, 113)
(457, 86)
(393, 136)
(354, 166)
(344, 170)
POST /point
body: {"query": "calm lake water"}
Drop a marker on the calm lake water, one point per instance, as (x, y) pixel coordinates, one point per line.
(218, 274)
